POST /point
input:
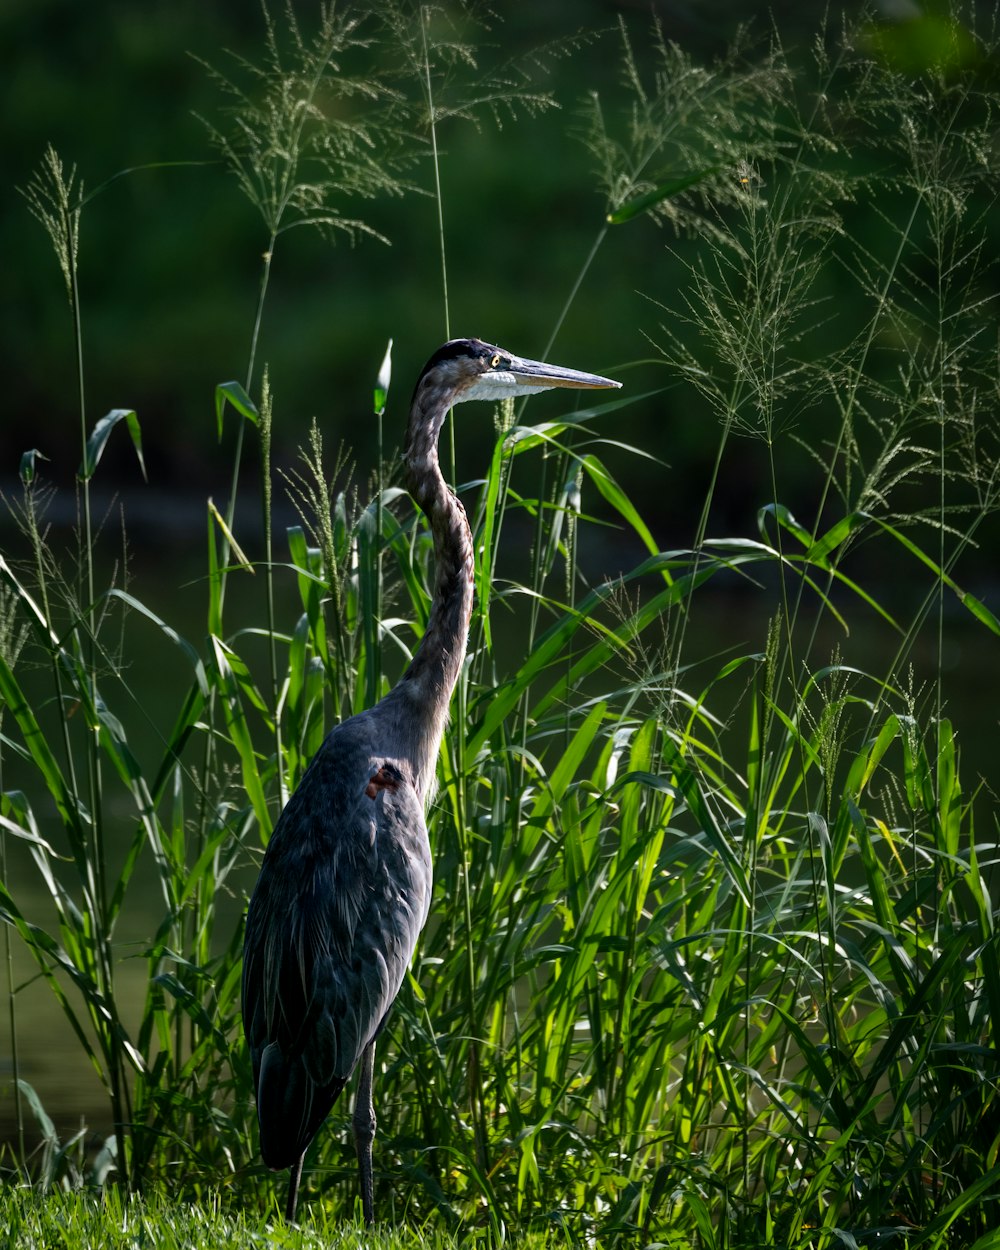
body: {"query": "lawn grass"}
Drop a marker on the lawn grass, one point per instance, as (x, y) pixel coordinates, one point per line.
(71, 1220)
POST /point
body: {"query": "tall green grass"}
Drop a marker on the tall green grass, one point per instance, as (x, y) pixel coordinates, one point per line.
(712, 960)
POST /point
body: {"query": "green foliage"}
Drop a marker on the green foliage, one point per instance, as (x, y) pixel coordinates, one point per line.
(713, 957)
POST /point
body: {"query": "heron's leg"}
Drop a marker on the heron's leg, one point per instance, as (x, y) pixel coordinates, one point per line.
(364, 1131)
(294, 1176)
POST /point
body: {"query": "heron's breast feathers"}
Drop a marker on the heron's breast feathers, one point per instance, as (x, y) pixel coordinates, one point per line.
(333, 923)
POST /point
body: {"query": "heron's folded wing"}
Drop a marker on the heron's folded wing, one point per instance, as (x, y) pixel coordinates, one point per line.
(330, 931)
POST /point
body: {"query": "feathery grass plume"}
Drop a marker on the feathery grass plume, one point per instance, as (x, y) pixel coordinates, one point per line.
(671, 151)
(13, 630)
(829, 726)
(441, 49)
(300, 135)
(303, 133)
(328, 506)
(55, 199)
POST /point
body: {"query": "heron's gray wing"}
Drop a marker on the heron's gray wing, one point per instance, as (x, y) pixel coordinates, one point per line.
(330, 931)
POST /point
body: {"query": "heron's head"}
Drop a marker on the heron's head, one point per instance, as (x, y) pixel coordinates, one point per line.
(467, 369)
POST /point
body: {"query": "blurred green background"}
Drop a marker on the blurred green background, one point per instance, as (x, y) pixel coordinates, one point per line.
(170, 257)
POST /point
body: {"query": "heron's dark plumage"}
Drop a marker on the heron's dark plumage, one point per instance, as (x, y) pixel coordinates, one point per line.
(345, 886)
(350, 876)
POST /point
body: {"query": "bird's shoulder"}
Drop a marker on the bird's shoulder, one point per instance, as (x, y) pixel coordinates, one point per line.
(351, 769)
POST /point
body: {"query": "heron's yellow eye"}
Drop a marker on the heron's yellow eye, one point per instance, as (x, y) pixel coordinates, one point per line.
(495, 362)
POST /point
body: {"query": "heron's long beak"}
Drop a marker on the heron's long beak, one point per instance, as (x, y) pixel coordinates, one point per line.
(536, 373)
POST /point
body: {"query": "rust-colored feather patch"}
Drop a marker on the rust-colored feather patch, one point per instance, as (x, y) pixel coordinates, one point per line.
(385, 779)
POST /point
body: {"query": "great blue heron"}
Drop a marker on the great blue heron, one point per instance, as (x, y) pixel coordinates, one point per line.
(345, 885)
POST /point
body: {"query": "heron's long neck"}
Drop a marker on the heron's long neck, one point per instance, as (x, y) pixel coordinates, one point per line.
(431, 676)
